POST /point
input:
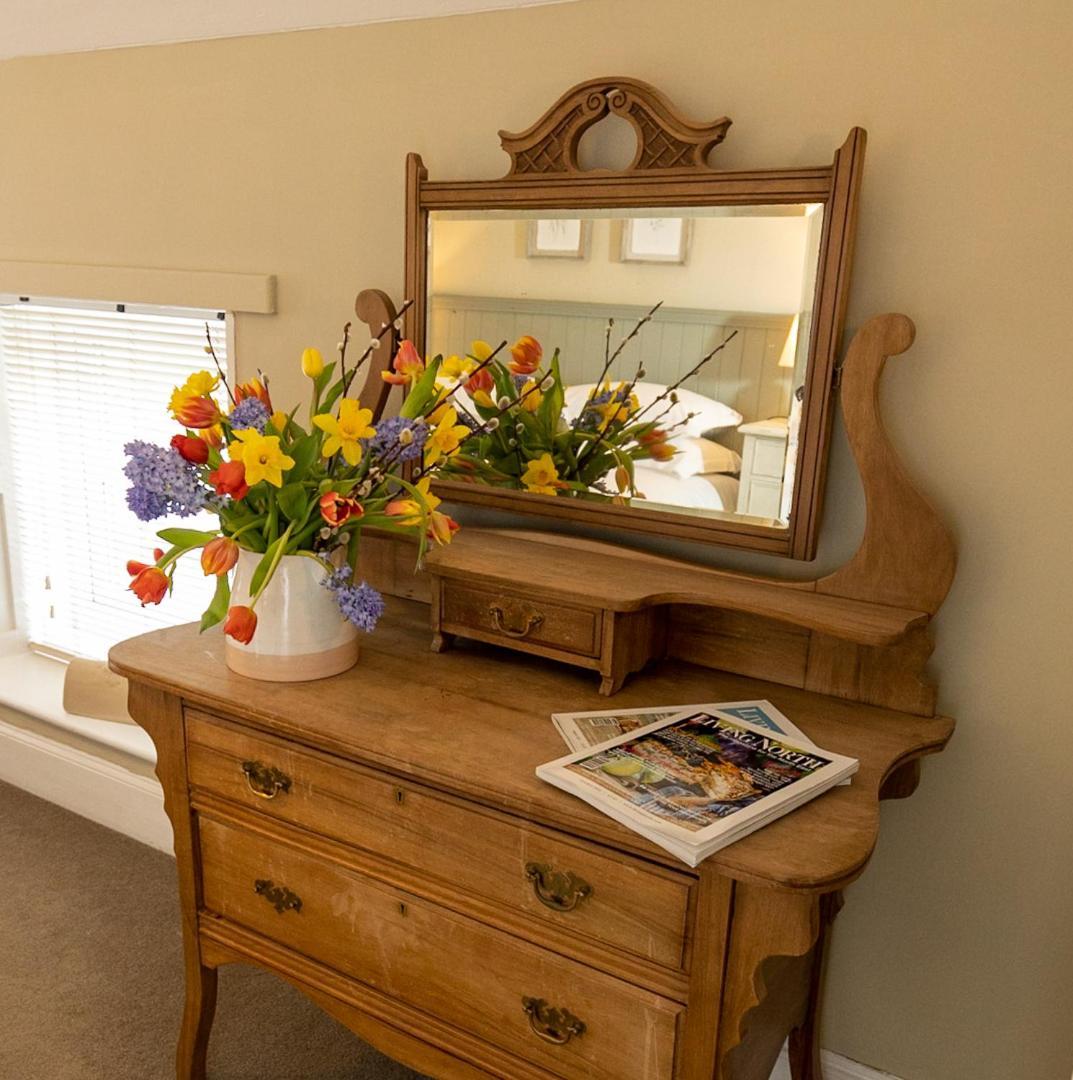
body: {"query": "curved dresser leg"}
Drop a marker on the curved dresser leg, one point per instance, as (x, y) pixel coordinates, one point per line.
(805, 1038)
(198, 1015)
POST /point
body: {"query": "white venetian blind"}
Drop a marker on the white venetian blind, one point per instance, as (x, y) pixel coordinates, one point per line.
(79, 381)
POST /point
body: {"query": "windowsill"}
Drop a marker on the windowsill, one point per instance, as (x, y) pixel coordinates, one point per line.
(33, 684)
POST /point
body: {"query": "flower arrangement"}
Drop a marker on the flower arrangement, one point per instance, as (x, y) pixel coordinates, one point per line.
(282, 487)
(520, 438)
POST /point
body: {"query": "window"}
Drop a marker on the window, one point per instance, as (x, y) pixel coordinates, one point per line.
(77, 382)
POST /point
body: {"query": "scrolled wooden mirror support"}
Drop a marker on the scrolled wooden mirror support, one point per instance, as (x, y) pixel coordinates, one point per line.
(772, 510)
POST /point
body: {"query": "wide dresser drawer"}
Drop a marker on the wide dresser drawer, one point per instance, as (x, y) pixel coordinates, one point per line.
(536, 875)
(550, 1010)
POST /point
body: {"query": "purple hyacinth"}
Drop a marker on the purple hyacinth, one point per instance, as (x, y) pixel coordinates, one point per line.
(360, 604)
(388, 433)
(250, 412)
(162, 482)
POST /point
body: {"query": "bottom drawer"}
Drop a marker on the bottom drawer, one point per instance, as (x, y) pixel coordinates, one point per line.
(548, 1009)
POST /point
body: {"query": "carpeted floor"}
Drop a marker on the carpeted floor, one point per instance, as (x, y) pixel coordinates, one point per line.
(91, 969)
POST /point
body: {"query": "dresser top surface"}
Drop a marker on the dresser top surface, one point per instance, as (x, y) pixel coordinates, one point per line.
(475, 722)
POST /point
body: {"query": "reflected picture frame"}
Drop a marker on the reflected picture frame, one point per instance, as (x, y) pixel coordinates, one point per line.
(656, 240)
(558, 238)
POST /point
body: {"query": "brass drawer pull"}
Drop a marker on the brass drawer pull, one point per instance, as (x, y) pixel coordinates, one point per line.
(552, 1025)
(559, 890)
(265, 781)
(280, 898)
(531, 623)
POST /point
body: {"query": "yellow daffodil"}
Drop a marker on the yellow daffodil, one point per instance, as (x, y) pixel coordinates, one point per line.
(457, 367)
(541, 477)
(436, 414)
(261, 457)
(444, 438)
(346, 432)
(279, 421)
(530, 396)
(480, 350)
(617, 409)
(312, 363)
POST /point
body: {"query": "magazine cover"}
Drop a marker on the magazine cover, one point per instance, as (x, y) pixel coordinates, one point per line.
(584, 729)
(702, 777)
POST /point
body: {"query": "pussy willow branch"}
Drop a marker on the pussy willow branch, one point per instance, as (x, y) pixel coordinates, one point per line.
(371, 348)
(689, 374)
(342, 357)
(219, 369)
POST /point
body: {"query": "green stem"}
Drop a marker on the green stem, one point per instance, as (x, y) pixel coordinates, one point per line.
(272, 566)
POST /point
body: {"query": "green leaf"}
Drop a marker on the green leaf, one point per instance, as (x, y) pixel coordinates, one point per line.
(293, 501)
(304, 452)
(221, 601)
(420, 397)
(187, 538)
(263, 567)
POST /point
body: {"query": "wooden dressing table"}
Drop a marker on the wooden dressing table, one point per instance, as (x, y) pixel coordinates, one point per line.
(379, 840)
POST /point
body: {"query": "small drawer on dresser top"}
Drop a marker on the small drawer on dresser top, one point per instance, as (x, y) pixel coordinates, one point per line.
(530, 872)
(550, 1010)
(514, 617)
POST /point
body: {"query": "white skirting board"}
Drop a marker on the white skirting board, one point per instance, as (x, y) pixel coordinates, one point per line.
(835, 1067)
(133, 804)
(90, 786)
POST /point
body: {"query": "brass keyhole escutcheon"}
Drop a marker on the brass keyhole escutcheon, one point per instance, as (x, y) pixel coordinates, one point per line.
(280, 897)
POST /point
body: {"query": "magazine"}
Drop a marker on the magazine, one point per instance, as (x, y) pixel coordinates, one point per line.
(581, 730)
(695, 782)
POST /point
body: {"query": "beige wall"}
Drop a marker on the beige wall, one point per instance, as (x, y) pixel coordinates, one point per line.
(753, 264)
(954, 958)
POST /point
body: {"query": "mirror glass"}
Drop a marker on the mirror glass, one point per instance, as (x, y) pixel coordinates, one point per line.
(693, 413)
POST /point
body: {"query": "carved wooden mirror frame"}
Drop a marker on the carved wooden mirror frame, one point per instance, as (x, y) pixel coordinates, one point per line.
(670, 168)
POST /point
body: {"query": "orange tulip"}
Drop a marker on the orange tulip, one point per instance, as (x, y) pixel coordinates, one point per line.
(230, 479)
(338, 509)
(408, 365)
(241, 622)
(197, 412)
(135, 568)
(526, 355)
(219, 555)
(441, 527)
(150, 585)
(212, 436)
(254, 388)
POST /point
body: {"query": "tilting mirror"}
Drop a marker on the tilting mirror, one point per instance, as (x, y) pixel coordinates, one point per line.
(645, 349)
(694, 411)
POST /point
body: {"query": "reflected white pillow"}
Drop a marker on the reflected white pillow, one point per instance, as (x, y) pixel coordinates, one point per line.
(696, 456)
(709, 413)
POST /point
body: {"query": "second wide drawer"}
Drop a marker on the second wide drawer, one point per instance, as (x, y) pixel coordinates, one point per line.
(576, 1022)
(627, 904)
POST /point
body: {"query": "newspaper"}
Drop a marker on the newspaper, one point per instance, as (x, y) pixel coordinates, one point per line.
(698, 781)
(581, 730)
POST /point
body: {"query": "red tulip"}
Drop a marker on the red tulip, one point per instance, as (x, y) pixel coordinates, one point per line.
(241, 622)
(197, 412)
(230, 479)
(219, 555)
(526, 353)
(192, 449)
(150, 585)
(135, 568)
(338, 509)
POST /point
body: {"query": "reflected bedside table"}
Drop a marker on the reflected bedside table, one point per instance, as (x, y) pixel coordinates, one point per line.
(763, 460)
